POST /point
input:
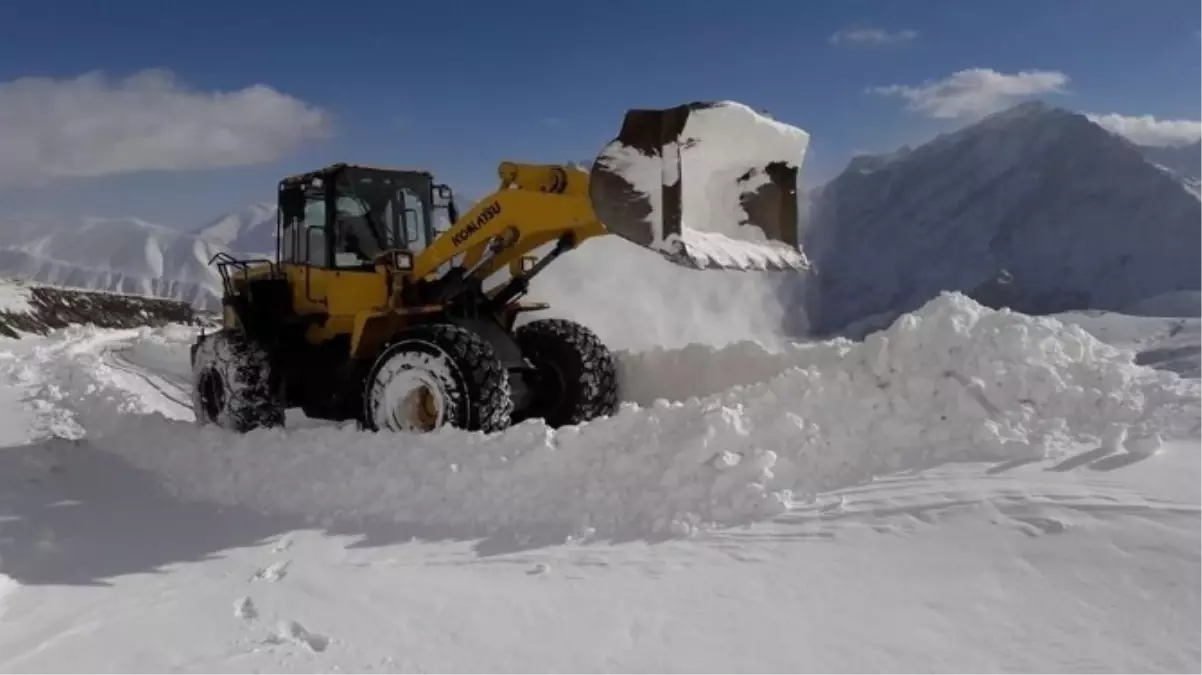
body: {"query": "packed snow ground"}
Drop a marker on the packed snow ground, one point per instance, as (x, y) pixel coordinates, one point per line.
(969, 490)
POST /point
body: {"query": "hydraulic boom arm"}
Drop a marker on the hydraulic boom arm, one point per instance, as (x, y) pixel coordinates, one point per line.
(534, 205)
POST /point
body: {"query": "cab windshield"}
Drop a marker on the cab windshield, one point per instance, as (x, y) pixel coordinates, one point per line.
(373, 212)
(372, 216)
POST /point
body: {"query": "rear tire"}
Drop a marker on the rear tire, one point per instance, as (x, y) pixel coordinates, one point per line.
(231, 384)
(437, 375)
(577, 374)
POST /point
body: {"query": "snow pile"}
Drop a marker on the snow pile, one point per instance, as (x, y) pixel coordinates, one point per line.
(636, 300)
(699, 370)
(953, 382)
(723, 152)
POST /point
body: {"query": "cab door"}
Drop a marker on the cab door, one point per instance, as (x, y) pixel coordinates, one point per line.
(353, 283)
(304, 255)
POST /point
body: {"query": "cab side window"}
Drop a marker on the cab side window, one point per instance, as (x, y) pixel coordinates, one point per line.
(313, 236)
(414, 226)
(303, 242)
(290, 249)
(356, 239)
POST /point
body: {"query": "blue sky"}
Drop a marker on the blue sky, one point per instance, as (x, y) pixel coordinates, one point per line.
(458, 86)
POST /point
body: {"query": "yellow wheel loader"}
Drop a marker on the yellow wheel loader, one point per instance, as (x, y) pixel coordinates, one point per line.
(377, 307)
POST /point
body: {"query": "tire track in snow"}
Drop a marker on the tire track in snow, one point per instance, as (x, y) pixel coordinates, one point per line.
(117, 361)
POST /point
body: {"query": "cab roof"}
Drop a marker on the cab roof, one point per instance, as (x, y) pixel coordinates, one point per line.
(333, 169)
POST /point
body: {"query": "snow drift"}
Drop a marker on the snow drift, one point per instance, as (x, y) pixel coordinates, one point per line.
(952, 382)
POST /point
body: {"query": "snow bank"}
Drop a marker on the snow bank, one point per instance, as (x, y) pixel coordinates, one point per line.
(14, 297)
(164, 349)
(952, 382)
(38, 309)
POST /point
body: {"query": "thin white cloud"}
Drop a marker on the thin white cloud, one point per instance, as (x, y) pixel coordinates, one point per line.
(1148, 130)
(873, 36)
(975, 92)
(93, 126)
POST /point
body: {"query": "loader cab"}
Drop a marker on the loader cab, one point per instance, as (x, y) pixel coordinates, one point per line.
(342, 216)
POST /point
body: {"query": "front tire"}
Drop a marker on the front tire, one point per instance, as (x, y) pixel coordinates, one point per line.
(437, 375)
(576, 373)
(231, 384)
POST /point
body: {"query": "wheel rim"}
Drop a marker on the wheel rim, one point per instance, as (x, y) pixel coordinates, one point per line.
(212, 394)
(414, 392)
(419, 403)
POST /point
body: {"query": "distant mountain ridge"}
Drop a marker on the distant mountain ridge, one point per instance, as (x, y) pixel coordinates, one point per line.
(250, 230)
(133, 256)
(123, 255)
(1075, 215)
(1183, 159)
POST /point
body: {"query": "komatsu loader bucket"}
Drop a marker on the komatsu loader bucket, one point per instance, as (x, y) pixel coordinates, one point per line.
(706, 185)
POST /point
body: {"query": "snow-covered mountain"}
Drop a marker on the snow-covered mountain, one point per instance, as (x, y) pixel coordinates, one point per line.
(1035, 203)
(130, 255)
(124, 255)
(250, 230)
(1184, 160)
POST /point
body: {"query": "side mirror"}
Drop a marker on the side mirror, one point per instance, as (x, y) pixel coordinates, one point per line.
(444, 191)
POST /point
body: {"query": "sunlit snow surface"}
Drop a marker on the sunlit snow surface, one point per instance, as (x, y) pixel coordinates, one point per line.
(967, 490)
